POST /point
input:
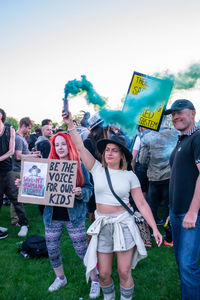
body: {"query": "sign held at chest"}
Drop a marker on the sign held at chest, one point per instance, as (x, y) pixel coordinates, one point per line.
(48, 182)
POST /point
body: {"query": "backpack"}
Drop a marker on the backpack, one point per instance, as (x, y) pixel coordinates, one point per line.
(35, 246)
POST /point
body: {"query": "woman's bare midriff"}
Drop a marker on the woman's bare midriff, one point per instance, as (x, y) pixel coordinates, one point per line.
(109, 209)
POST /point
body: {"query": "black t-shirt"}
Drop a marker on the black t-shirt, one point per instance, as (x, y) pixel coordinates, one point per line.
(44, 147)
(5, 165)
(31, 141)
(60, 213)
(184, 172)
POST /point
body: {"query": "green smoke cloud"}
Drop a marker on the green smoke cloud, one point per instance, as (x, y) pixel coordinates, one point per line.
(149, 98)
(75, 87)
(184, 79)
(127, 119)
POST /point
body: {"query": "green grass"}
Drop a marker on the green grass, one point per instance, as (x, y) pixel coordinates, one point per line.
(155, 277)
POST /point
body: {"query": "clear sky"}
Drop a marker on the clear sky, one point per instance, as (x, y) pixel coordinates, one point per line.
(46, 43)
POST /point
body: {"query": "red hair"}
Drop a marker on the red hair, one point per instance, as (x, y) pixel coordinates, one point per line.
(72, 155)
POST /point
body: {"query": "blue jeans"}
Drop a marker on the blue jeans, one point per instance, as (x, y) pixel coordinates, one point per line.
(187, 251)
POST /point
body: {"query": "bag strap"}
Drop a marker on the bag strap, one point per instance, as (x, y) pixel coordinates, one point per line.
(116, 196)
(7, 130)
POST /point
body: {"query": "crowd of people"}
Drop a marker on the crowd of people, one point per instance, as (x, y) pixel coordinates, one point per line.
(116, 175)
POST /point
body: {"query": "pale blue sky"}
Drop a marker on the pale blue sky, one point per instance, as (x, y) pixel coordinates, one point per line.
(46, 43)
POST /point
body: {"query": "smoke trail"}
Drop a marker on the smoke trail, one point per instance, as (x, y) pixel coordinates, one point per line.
(185, 79)
(75, 87)
(127, 119)
(149, 98)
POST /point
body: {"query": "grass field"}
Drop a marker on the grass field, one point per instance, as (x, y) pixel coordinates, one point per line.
(156, 277)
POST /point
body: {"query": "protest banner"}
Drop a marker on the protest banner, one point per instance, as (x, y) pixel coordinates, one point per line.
(140, 82)
(48, 182)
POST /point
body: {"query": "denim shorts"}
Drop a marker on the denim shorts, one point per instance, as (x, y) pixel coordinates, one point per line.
(105, 237)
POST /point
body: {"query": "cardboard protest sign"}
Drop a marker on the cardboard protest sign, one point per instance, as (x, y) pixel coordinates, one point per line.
(48, 182)
(140, 82)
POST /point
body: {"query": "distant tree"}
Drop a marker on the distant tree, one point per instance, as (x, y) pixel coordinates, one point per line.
(78, 117)
(63, 126)
(36, 124)
(55, 124)
(13, 121)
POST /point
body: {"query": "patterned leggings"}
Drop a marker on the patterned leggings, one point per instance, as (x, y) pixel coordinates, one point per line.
(53, 234)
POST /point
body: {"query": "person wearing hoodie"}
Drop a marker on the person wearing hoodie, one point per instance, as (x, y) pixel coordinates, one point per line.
(43, 142)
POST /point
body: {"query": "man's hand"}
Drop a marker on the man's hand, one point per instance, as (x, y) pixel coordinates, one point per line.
(18, 182)
(36, 154)
(189, 220)
(158, 237)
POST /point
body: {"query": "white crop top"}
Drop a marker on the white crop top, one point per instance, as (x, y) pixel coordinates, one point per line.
(122, 182)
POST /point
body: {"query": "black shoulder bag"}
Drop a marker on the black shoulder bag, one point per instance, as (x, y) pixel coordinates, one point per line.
(116, 196)
(139, 220)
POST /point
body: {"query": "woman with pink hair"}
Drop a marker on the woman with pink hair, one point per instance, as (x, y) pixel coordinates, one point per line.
(55, 218)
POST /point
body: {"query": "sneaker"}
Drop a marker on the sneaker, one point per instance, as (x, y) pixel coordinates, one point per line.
(23, 231)
(3, 235)
(3, 229)
(57, 284)
(94, 290)
(167, 244)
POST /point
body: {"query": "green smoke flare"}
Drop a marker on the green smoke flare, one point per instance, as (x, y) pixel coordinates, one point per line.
(75, 87)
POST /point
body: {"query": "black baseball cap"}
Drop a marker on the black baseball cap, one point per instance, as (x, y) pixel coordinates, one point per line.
(179, 105)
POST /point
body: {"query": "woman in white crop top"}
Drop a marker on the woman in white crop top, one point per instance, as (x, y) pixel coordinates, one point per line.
(114, 229)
